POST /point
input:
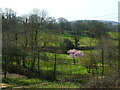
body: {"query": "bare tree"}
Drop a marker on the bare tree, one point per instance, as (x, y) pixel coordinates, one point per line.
(37, 22)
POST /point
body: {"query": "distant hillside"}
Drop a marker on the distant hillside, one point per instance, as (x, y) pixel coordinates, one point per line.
(112, 22)
(103, 21)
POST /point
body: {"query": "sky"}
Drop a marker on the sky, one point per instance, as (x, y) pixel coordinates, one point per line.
(69, 9)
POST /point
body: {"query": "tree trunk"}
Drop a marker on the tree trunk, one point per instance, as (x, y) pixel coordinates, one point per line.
(74, 61)
(88, 69)
(55, 66)
(5, 68)
(96, 69)
(92, 71)
(23, 62)
(38, 61)
(16, 38)
(102, 61)
(33, 62)
(5, 61)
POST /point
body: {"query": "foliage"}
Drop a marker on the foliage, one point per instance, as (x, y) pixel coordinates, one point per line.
(55, 85)
(103, 82)
(67, 44)
(75, 53)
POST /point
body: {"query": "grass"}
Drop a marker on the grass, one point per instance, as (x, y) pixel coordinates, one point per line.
(56, 85)
(71, 69)
(14, 80)
(113, 34)
(66, 66)
(64, 63)
(43, 37)
(84, 40)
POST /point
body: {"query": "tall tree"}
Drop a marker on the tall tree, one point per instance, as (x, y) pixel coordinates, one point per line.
(37, 22)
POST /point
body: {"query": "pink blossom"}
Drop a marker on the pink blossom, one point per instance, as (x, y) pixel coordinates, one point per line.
(71, 51)
(75, 53)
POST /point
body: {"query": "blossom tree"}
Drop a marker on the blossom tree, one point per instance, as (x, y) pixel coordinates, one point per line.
(75, 53)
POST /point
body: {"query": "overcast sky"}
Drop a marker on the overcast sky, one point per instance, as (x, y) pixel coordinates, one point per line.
(69, 9)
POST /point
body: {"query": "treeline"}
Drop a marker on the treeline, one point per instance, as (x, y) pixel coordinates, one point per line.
(24, 38)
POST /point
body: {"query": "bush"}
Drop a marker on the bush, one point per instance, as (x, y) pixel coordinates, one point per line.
(67, 45)
(103, 82)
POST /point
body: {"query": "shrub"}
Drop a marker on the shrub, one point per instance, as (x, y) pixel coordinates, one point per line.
(67, 45)
(103, 82)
